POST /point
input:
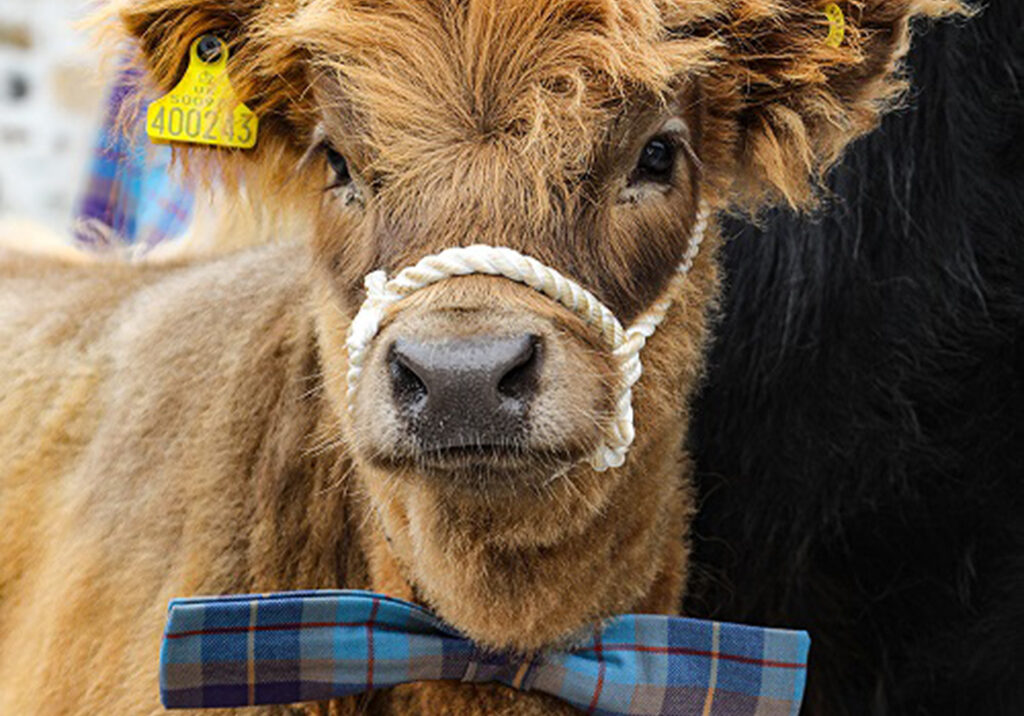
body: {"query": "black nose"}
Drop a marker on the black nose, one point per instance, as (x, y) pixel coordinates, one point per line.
(465, 392)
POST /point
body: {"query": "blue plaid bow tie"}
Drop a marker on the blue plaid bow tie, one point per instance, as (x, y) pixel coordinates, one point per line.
(314, 646)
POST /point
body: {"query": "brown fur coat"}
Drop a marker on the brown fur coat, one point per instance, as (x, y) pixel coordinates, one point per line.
(178, 430)
(212, 470)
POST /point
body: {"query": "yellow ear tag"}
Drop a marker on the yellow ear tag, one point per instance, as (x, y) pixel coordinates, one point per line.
(836, 25)
(203, 108)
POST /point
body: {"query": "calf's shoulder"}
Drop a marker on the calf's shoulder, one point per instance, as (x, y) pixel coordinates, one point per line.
(158, 431)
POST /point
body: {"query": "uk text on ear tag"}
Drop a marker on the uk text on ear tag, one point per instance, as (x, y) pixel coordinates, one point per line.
(836, 25)
(203, 108)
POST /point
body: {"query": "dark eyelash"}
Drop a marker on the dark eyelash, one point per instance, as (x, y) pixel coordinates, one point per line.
(340, 179)
(335, 185)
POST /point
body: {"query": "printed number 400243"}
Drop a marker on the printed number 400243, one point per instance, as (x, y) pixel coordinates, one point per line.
(201, 126)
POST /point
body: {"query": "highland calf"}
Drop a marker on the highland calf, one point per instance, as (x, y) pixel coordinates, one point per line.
(189, 429)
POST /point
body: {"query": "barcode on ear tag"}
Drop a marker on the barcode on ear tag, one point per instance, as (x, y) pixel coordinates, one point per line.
(203, 108)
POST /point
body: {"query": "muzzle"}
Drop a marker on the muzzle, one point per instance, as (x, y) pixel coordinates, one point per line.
(625, 343)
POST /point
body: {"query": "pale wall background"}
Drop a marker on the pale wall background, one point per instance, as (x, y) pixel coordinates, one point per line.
(51, 97)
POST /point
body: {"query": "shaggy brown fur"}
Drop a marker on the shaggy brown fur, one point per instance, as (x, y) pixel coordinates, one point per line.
(181, 430)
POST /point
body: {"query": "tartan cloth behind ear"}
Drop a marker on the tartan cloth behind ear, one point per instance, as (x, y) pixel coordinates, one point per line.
(131, 195)
(313, 646)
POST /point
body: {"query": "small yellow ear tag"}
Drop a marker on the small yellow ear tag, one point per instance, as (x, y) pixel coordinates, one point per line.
(203, 108)
(836, 25)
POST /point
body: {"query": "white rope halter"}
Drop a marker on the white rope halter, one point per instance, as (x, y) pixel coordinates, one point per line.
(626, 344)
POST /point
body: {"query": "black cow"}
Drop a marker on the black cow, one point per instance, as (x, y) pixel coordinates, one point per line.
(860, 438)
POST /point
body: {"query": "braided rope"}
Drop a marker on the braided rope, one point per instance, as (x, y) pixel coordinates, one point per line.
(626, 344)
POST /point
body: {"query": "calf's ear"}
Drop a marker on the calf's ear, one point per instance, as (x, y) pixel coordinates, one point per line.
(164, 30)
(792, 90)
(268, 79)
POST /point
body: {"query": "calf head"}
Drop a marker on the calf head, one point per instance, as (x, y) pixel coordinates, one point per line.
(586, 134)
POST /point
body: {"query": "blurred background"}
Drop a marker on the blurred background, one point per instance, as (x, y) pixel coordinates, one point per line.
(52, 96)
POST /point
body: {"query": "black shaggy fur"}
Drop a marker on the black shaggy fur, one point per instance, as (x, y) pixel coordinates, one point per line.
(860, 440)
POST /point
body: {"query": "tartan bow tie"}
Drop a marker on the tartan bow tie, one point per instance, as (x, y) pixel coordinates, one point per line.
(314, 646)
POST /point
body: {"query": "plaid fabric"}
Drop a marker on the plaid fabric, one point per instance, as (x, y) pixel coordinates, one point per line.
(131, 194)
(313, 646)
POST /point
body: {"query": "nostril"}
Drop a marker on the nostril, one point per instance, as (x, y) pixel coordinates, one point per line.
(409, 390)
(520, 381)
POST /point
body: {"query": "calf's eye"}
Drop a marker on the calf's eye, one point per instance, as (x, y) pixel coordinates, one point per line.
(657, 160)
(339, 166)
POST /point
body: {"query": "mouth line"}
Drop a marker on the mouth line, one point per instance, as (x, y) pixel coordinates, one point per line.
(491, 453)
(484, 461)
